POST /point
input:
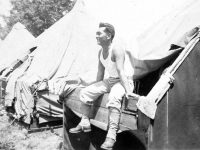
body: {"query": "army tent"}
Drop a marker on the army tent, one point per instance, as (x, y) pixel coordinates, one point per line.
(175, 125)
(13, 46)
(60, 47)
(53, 68)
(175, 31)
(139, 34)
(68, 49)
(11, 79)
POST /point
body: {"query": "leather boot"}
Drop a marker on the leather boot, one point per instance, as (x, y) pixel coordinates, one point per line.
(114, 118)
(108, 144)
(80, 128)
(84, 124)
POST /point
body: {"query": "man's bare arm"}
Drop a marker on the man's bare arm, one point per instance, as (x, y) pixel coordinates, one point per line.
(119, 58)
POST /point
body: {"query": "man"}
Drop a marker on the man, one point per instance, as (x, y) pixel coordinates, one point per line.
(113, 59)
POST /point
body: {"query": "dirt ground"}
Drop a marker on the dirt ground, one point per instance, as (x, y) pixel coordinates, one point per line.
(15, 137)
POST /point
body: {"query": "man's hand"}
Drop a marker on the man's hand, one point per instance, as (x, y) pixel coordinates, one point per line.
(132, 95)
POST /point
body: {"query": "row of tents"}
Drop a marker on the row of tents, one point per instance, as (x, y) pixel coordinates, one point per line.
(40, 72)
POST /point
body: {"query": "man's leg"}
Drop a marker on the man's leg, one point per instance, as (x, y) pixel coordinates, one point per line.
(114, 105)
(87, 96)
(114, 118)
(84, 125)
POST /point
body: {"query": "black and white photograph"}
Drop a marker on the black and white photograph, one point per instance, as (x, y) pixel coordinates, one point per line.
(99, 75)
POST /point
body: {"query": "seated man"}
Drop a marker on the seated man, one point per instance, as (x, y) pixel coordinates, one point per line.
(114, 60)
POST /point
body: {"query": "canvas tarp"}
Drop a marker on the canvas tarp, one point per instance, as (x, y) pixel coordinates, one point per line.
(10, 68)
(147, 47)
(170, 31)
(60, 47)
(13, 45)
(68, 48)
(148, 104)
(12, 78)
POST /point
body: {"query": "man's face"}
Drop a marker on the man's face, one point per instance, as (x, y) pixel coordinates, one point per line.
(102, 36)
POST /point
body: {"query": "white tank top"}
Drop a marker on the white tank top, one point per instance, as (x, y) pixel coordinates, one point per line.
(110, 66)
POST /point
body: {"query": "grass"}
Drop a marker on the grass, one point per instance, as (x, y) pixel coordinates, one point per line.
(14, 137)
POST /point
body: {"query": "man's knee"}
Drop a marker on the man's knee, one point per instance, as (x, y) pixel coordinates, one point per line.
(114, 102)
(84, 97)
(82, 93)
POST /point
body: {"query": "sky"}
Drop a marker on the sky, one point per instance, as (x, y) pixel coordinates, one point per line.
(5, 7)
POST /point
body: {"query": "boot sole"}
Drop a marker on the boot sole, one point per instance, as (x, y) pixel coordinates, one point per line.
(80, 131)
(106, 148)
(89, 130)
(75, 131)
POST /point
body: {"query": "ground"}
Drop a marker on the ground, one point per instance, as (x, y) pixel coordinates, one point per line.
(15, 137)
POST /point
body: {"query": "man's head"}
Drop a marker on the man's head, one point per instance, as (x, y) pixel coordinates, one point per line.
(105, 33)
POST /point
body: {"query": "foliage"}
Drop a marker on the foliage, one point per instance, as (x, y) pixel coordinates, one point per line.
(36, 15)
(15, 137)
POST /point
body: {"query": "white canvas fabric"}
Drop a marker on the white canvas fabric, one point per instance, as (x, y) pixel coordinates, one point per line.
(69, 47)
(148, 104)
(14, 45)
(146, 39)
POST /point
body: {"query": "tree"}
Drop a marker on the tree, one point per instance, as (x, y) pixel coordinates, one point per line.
(36, 15)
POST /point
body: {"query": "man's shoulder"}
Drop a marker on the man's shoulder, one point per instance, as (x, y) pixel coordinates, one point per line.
(117, 49)
(117, 46)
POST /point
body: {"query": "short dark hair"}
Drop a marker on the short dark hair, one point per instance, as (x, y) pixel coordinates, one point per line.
(109, 28)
